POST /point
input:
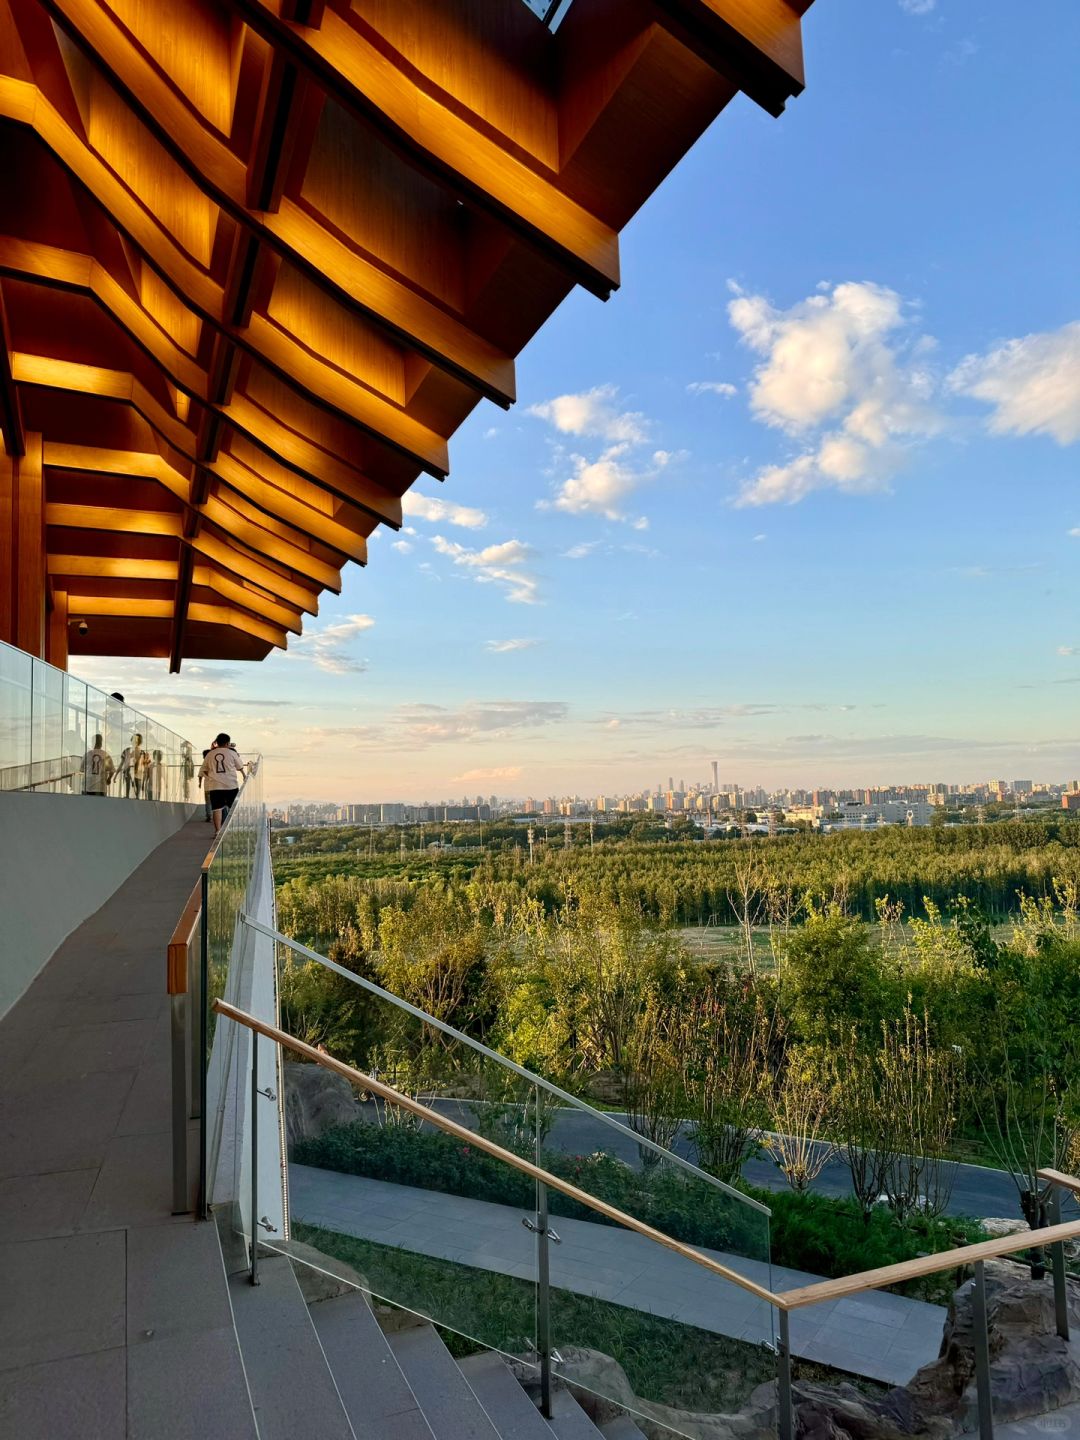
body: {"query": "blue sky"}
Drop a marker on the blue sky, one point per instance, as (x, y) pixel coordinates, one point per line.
(802, 497)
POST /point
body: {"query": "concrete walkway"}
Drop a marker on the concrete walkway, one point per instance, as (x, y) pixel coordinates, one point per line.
(114, 1314)
(880, 1336)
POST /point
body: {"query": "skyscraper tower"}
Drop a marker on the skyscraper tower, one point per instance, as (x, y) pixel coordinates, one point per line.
(715, 776)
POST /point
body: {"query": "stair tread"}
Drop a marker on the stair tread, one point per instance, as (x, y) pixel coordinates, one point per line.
(292, 1389)
(568, 1419)
(621, 1428)
(441, 1390)
(376, 1395)
(509, 1409)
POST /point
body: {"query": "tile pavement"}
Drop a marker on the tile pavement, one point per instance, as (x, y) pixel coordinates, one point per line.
(114, 1314)
(880, 1336)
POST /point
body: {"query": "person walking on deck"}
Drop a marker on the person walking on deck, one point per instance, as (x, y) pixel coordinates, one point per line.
(220, 774)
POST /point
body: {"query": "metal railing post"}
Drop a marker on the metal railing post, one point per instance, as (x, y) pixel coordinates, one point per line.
(181, 1202)
(785, 1400)
(193, 1011)
(254, 1158)
(1057, 1258)
(202, 1027)
(981, 1340)
(543, 1299)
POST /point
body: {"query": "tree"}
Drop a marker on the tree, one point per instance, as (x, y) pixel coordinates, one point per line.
(802, 1112)
(725, 1041)
(919, 1096)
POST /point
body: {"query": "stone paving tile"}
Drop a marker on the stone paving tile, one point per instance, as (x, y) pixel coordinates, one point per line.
(61, 1127)
(84, 1395)
(62, 1296)
(33, 1207)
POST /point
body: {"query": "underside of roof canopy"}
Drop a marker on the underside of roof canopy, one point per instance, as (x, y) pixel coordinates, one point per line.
(260, 258)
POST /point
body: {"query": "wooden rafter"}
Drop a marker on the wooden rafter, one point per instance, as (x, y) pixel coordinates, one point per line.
(262, 257)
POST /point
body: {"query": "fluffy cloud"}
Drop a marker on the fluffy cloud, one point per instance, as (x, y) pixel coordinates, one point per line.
(503, 564)
(327, 648)
(1068, 649)
(837, 372)
(497, 772)
(604, 485)
(594, 412)
(917, 7)
(427, 507)
(507, 647)
(712, 387)
(1033, 384)
(402, 546)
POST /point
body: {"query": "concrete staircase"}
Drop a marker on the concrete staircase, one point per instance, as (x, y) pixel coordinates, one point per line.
(319, 1364)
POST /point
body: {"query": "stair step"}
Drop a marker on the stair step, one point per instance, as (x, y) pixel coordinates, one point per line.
(621, 1428)
(508, 1407)
(568, 1419)
(441, 1390)
(375, 1393)
(292, 1389)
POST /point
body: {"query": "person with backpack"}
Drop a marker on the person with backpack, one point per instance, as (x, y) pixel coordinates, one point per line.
(220, 773)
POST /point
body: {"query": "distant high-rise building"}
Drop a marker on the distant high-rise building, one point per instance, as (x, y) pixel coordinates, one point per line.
(715, 776)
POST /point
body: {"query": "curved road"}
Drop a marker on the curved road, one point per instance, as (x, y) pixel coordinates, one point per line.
(978, 1191)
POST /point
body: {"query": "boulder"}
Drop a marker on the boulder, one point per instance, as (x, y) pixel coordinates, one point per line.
(315, 1100)
(1032, 1370)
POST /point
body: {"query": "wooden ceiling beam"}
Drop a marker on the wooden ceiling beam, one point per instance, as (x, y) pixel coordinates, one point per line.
(438, 139)
(358, 284)
(11, 418)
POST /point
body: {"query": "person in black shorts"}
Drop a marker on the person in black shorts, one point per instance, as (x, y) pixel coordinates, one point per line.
(220, 774)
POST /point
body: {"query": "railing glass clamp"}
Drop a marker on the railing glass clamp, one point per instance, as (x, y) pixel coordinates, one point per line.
(265, 1223)
(268, 1093)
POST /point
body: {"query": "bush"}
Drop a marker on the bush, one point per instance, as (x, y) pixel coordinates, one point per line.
(817, 1233)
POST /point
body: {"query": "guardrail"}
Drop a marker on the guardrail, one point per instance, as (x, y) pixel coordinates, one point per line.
(784, 1301)
(182, 985)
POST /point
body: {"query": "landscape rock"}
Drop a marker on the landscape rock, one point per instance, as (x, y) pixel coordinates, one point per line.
(315, 1100)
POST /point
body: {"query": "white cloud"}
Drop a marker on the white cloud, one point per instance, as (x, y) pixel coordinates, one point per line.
(327, 648)
(496, 772)
(427, 507)
(758, 538)
(503, 564)
(712, 387)
(917, 7)
(402, 546)
(1032, 383)
(1068, 649)
(427, 724)
(604, 485)
(580, 551)
(837, 373)
(1075, 532)
(593, 412)
(506, 647)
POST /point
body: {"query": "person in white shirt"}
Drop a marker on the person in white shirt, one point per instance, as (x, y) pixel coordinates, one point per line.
(97, 769)
(220, 774)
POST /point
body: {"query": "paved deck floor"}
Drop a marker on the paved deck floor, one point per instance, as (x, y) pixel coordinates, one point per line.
(880, 1336)
(114, 1314)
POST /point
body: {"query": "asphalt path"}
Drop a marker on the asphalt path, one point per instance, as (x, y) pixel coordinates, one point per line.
(978, 1191)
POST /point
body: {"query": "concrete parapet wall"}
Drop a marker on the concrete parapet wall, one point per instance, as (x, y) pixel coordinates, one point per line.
(61, 857)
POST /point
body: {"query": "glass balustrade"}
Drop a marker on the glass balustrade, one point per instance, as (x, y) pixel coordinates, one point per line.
(437, 1226)
(59, 735)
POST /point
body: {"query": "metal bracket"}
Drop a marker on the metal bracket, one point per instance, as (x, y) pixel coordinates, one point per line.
(535, 1229)
(268, 1093)
(265, 1223)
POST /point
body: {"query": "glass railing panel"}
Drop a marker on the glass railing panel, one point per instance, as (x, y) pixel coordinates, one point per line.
(47, 729)
(16, 707)
(643, 1326)
(76, 745)
(434, 1225)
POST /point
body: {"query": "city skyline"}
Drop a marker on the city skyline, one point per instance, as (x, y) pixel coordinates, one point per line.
(806, 500)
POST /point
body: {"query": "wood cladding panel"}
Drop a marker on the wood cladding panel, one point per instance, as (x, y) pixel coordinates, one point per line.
(259, 266)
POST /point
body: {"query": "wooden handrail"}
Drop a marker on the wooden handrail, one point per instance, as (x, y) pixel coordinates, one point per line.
(180, 943)
(784, 1300)
(925, 1265)
(1057, 1177)
(480, 1142)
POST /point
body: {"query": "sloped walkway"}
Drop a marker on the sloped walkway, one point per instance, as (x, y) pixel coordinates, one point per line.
(114, 1316)
(880, 1336)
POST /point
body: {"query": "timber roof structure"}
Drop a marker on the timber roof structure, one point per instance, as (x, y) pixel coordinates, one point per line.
(260, 258)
